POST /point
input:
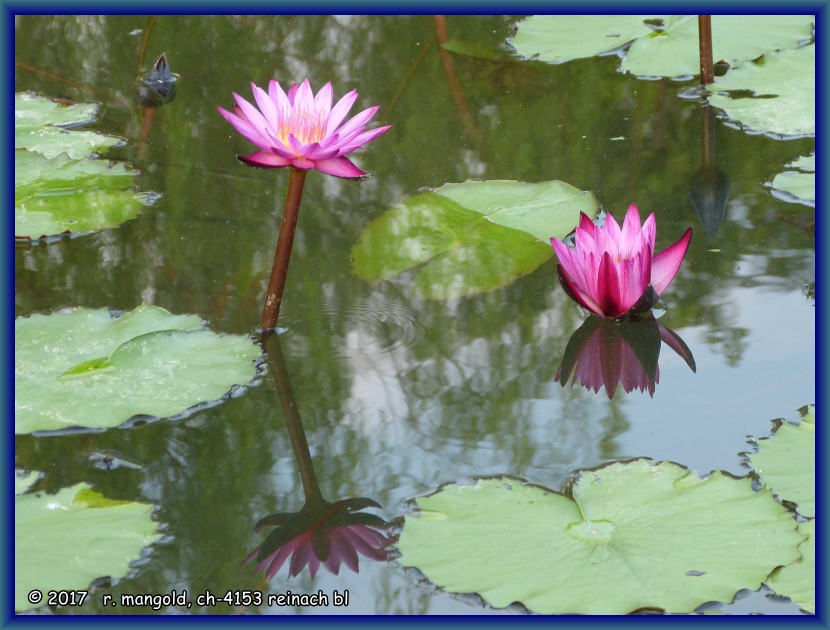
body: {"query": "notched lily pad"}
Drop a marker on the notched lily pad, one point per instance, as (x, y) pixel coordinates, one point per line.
(86, 368)
(594, 552)
(472, 237)
(66, 540)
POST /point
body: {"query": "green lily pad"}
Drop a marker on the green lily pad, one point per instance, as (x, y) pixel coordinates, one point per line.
(786, 463)
(668, 48)
(561, 38)
(675, 51)
(39, 125)
(471, 237)
(799, 185)
(784, 89)
(89, 369)
(62, 195)
(64, 541)
(24, 480)
(798, 580)
(635, 535)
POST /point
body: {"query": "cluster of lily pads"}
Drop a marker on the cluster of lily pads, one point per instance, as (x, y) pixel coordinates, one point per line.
(769, 86)
(628, 536)
(92, 369)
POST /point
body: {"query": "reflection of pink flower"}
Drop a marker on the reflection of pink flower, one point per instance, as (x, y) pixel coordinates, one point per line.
(601, 353)
(302, 130)
(612, 271)
(321, 533)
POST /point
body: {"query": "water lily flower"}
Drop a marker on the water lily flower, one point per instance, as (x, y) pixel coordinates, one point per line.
(602, 353)
(612, 271)
(301, 129)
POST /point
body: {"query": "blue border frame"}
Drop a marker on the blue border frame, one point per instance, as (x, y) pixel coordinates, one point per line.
(9, 9)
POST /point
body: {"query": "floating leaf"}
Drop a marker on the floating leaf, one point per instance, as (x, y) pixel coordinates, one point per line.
(471, 237)
(62, 195)
(784, 88)
(798, 186)
(675, 51)
(64, 541)
(786, 463)
(635, 535)
(25, 480)
(561, 38)
(672, 50)
(39, 126)
(798, 580)
(86, 368)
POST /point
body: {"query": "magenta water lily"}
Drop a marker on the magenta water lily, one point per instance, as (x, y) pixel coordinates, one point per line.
(301, 129)
(612, 271)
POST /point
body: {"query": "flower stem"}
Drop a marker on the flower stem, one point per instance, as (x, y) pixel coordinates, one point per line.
(279, 270)
(704, 31)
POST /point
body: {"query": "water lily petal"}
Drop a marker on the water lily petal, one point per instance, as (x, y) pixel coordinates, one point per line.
(339, 167)
(608, 288)
(339, 111)
(264, 159)
(363, 138)
(665, 264)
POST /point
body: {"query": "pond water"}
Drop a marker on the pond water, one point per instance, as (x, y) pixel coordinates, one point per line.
(399, 394)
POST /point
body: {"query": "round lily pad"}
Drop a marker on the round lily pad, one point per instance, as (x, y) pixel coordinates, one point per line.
(561, 38)
(786, 463)
(632, 535)
(471, 237)
(87, 368)
(64, 541)
(783, 93)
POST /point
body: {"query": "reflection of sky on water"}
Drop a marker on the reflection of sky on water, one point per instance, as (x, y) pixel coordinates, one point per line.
(720, 405)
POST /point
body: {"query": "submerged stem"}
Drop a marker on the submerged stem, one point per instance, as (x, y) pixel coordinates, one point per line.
(279, 270)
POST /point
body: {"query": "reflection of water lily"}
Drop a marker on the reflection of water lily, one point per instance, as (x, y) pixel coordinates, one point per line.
(612, 271)
(601, 353)
(321, 533)
(302, 130)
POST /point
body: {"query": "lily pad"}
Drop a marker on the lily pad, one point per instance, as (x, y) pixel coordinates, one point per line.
(783, 86)
(58, 195)
(675, 51)
(786, 463)
(561, 38)
(64, 541)
(40, 125)
(798, 580)
(633, 535)
(799, 186)
(471, 237)
(665, 46)
(87, 368)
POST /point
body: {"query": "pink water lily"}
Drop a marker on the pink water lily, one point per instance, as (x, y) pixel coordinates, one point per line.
(301, 129)
(612, 271)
